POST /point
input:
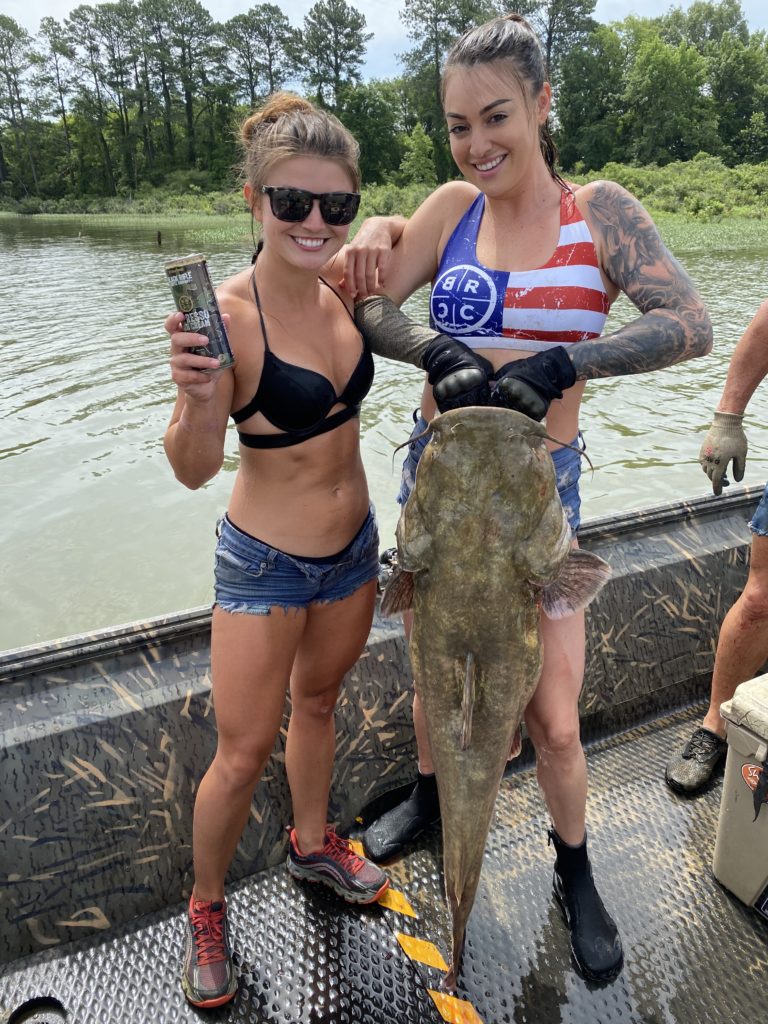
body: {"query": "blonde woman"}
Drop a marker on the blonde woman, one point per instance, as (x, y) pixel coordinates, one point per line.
(297, 551)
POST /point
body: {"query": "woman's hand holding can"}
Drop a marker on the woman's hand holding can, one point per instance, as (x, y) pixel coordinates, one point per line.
(196, 375)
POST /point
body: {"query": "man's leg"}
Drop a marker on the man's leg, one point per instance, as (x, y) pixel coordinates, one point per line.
(742, 649)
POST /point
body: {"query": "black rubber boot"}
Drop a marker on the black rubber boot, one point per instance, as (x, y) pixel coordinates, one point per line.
(595, 941)
(392, 832)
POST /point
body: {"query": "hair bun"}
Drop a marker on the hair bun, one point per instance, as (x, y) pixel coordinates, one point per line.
(275, 107)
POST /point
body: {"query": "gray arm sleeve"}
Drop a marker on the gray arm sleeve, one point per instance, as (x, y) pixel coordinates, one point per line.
(390, 333)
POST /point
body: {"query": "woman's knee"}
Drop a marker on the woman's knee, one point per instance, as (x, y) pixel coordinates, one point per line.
(754, 600)
(559, 738)
(240, 766)
(318, 706)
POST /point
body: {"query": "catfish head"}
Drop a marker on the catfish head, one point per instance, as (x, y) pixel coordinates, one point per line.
(484, 482)
(485, 500)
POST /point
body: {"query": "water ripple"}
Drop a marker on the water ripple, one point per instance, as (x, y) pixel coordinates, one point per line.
(97, 530)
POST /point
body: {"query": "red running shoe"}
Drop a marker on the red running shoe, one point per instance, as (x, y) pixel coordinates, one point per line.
(209, 976)
(352, 877)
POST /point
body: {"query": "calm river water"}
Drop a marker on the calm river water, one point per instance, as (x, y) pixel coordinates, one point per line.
(95, 529)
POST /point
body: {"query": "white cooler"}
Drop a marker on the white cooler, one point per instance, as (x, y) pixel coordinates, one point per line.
(741, 848)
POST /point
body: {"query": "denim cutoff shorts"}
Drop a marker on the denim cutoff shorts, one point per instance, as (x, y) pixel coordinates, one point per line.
(251, 577)
(567, 471)
(759, 522)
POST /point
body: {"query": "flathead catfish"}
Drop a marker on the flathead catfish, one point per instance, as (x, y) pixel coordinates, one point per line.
(483, 547)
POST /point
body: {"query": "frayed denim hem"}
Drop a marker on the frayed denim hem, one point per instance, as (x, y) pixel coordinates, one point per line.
(246, 608)
(758, 524)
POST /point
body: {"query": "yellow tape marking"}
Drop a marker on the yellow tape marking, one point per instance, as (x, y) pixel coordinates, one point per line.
(357, 846)
(421, 950)
(396, 901)
(453, 1010)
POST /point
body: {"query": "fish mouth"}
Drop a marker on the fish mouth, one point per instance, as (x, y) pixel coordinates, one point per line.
(478, 413)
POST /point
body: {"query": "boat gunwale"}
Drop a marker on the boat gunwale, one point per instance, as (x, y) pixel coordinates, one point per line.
(122, 639)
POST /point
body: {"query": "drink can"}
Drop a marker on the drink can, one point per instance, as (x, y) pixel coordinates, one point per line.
(194, 297)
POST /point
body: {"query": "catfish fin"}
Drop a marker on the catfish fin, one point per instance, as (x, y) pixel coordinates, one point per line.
(414, 541)
(581, 578)
(398, 593)
(467, 702)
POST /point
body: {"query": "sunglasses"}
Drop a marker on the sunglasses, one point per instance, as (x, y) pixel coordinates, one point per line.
(295, 204)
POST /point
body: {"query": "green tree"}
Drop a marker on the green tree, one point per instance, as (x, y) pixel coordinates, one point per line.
(737, 75)
(753, 139)
(55, 79)
(370, 112)
(191, 36)
(155, 17)
(703, 24)
(241, 39)
(92, 101)
(333, 46)
(15, 61)
(668, 116)
(148, 113)
(116, 25)
(562, 26)
(418, 164)
(260, 44)
(590, 101)
(276, 44)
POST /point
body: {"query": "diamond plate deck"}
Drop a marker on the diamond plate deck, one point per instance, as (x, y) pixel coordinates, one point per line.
(692, 952)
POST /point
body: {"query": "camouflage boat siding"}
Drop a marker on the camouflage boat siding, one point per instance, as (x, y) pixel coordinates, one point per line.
(104, 737)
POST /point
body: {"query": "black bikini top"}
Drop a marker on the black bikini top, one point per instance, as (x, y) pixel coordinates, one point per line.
(297, 400)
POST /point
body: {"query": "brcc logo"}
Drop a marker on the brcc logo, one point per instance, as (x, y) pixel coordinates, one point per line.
(751, 774)
(463, 299)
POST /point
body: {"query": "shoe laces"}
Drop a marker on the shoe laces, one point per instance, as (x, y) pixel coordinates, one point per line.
(701, 742)
(208, 930)
(340, 850)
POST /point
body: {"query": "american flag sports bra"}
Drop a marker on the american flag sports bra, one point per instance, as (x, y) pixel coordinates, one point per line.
(562, 302)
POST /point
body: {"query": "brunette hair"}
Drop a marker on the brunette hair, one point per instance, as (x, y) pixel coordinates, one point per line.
(288, 125)
(509, 39)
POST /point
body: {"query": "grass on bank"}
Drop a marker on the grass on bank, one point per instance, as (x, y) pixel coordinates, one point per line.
(681, 233)
(698, 205)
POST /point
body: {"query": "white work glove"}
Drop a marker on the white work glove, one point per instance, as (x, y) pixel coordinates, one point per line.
(724, 442)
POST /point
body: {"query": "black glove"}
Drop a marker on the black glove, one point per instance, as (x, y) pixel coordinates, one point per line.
(529, 385)
(458, 376)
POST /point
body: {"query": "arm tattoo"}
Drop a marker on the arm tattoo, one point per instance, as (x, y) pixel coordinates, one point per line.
(674, 325)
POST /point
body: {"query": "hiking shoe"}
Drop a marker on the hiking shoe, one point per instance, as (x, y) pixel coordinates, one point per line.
(399, 827)
(337, 865)
(691, 770)
(209, 976)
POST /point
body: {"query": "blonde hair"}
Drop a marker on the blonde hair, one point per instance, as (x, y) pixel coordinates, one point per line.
(288, 125)
(508, 40)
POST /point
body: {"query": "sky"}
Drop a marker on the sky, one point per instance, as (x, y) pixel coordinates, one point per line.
(382, 18)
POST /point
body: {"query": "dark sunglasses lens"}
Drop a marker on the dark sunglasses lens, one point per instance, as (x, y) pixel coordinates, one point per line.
(290, 204)
(339, 207)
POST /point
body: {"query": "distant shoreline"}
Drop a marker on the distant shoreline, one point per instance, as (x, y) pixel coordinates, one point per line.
(681, 232)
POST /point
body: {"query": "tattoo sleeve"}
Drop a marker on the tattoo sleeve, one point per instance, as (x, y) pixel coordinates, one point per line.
(390, 333)
(674, 325)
